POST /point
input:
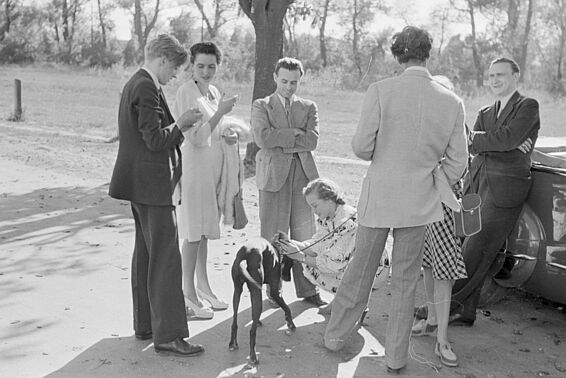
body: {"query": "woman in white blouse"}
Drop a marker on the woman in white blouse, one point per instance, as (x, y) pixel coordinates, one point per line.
(210, 175)
(326, 255)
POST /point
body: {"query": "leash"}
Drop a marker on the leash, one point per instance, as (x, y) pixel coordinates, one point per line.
(329, 234)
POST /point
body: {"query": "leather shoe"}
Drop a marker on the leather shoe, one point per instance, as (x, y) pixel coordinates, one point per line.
(179, 347)
(316, 300)
(459, 321)
(145, 335)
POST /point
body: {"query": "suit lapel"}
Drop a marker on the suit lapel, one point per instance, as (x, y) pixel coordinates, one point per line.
(277, 111)
(508, 109)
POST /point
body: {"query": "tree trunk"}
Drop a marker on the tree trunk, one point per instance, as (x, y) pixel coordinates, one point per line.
(322, 36)
(267, 19)
(138, 28)
(475, 54)
(102, 24)
(356, 39)
(525, 45)
(211, 30)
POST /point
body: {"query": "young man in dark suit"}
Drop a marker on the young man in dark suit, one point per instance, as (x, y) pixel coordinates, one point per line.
(502, 142)
(147, 173)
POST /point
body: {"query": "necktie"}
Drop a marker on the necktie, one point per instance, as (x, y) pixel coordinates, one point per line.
(288, 111)
(497, 108)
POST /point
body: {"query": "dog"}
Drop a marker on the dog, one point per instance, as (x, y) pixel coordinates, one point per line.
(257, 262)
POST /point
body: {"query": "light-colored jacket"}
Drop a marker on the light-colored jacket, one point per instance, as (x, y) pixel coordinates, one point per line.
(407, 125)
(275, 137)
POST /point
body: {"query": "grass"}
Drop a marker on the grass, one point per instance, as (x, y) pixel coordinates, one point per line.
(86, 102)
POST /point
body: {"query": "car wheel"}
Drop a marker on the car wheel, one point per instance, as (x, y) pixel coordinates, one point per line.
(517, 261)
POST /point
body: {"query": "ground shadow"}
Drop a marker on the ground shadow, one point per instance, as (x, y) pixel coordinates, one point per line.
(300, 353)
(35, 228)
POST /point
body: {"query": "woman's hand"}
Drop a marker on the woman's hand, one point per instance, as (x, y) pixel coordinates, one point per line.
(226, 104)
(188, 119)
(290, 249)
(230, 136)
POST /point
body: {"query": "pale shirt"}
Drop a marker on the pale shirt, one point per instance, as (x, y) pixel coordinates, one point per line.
(337, 237)
(177, 191)
(504, 101)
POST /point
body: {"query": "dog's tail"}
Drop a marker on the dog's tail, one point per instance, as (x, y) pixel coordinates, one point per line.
(247, 275)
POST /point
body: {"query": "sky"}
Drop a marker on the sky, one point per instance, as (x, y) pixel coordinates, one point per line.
(414, 11)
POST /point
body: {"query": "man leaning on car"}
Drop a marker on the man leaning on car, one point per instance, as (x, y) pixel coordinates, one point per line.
(501, 144)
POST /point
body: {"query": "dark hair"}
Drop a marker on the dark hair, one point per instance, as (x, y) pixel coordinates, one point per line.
(325, 189)
(514, 66)
(290, 64)
(206, 48)
(165, 45)
(411, 43)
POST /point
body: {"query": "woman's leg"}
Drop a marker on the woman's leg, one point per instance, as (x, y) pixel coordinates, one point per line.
(201, 270)
(442, 294)
(430, 291)
(189, 253)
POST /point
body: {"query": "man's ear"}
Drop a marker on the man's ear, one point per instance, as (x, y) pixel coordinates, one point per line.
(275, 77)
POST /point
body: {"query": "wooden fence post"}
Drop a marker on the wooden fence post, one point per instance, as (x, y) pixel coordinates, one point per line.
(17, 99)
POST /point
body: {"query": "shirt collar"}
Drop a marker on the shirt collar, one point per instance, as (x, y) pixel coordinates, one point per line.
(282, 99)
(418, 68)
(153, 77)
(504, 101)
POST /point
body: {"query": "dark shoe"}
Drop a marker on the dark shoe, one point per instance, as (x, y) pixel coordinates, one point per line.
(316, 300)
(180, 347)
(459, 321)
(144, 335)
(393, 371)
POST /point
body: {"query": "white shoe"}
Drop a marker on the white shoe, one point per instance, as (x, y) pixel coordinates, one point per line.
(215, 303)
(198, 312)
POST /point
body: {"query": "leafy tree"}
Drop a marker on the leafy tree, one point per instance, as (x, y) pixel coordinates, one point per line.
(295, 13)
(181, 27)
(356, 15)
(471, 8)
(322, 11)
(219, 8)
(144, 19)
(8, 15)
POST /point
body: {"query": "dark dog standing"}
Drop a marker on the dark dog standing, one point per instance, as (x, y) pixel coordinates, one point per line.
(257, 262)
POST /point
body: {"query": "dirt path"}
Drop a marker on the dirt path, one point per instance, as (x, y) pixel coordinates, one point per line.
(65, 307)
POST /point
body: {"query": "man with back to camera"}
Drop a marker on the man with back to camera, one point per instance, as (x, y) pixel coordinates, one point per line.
(285, 127)
(147, 173)
(502, 141)
(408, 124)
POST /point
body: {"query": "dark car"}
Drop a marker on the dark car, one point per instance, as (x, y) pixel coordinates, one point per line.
(534, 257)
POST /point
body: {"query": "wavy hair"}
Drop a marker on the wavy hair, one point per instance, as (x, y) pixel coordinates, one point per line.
(411, 43)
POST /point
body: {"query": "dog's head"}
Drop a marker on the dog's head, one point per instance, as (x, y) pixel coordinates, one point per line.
(276, 242)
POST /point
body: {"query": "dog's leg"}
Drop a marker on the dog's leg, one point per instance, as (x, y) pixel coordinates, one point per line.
(238, 284)
(255, 295)
(276, 295)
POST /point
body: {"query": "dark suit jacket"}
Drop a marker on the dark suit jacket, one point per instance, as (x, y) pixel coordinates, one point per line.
(148, 166)
(495, 142)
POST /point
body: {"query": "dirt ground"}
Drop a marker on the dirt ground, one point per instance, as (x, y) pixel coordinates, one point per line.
(65, 307)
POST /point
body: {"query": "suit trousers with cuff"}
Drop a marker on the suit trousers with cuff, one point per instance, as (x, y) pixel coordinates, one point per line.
(480, 251)
(287, 210)
(354, 290)
(159, 305)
